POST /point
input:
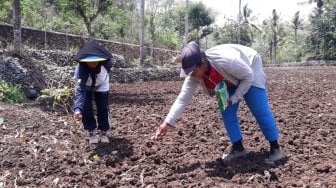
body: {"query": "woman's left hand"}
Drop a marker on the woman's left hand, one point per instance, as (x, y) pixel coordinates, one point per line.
(229, 102)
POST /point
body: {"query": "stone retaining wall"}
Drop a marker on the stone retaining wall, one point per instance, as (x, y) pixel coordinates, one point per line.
(39, 70)
(40, 39)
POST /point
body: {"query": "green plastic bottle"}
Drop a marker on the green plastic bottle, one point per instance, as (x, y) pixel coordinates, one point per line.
(222, 95)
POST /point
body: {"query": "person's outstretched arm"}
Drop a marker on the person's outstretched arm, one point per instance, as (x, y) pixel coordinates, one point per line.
(80, 91)
(188, 88)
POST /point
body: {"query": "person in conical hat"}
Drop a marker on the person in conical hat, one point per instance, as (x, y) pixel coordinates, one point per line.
(92, 75)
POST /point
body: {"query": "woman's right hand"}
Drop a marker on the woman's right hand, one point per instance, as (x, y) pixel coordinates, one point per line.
(78, 117)
(162, 130)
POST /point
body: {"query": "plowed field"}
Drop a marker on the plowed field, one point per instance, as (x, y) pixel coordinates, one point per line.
(43, 149)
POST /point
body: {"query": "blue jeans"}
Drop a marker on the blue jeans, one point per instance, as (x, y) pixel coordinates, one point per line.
(256, 100)
(101, 100)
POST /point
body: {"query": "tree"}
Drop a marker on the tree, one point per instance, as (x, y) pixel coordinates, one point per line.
(17, 26)
(6, 13)
(88, 10)
(277, 31)
(200, 19)
(239, 24)
(186, 23)
(153, 9)
(248, 26)
(239, 31)
(245, 27)
(142, 31)
(123, 24)
(228, 33)
(296, 25)
(319, 3)
(321, 42)
(167, 22)
(273, 33)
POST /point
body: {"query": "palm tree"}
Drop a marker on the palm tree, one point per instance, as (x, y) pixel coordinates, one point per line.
(274, 25)
(296, 25)
(247, 12)
(275, 31)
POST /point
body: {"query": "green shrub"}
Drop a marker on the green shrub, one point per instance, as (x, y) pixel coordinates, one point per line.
(10, 93)
(58, 98)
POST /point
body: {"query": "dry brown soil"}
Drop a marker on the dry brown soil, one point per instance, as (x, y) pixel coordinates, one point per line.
(42, 149)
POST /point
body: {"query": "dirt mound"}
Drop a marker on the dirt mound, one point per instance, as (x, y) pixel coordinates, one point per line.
(40, 149)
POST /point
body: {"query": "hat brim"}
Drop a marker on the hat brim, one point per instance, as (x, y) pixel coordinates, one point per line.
(187, 72)
(92, 59)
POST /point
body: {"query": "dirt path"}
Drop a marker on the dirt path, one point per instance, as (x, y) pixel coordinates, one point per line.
(43, 149)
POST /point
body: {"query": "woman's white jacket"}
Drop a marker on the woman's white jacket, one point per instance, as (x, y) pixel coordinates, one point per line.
(240, 65)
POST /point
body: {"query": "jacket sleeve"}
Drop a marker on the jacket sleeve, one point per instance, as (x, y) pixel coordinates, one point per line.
(242, 72)
(188, 88)
(81, 77)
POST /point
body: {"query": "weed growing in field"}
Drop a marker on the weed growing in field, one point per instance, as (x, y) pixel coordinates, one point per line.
(10, 93)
